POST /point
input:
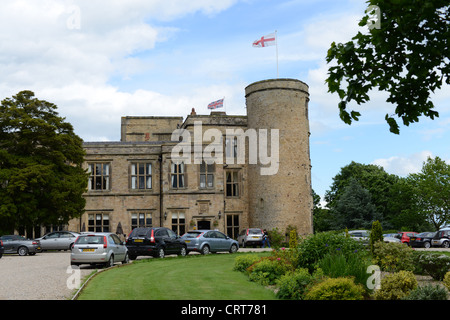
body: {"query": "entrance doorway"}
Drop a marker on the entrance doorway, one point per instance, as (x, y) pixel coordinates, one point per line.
(204, 224)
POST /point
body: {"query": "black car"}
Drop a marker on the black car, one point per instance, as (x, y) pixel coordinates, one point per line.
(20, 245)
(156, 242)
(2, 248)
(422, 240)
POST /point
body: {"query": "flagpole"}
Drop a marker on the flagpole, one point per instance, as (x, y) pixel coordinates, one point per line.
(276, 44)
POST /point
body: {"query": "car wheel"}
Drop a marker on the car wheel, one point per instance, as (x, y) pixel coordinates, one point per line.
(446, 244)
(233, 248)
(427, 245)
(205, 249)
(132, 257)
(161, 253)
(22, 251)
(183, 252)
(110, 262)
(126, 259)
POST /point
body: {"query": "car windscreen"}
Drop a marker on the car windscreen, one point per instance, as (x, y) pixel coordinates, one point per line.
(90, 240)
(254, 231)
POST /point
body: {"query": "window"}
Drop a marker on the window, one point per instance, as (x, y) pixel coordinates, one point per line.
(98, 222)
(141, 176)
(206, 175)
(141, 219)
(177, 175)
(231, 148)
(179, 223)
(99, 176)
(232, 180)
(233, 225)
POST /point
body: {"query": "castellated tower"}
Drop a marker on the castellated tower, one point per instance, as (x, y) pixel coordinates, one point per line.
(282, 197)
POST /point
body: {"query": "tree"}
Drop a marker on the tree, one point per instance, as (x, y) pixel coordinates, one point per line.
(354, 209)
(372, 178)
(407, 55)
(403, 212)
(432, 191)
(41, 178)
(321, 216)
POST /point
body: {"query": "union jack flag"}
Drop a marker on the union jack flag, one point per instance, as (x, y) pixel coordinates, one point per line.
(216, 104)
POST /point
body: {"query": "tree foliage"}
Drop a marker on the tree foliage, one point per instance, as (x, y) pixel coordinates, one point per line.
(432, 191)
(41, 178)
(407, 56)
(354, 209)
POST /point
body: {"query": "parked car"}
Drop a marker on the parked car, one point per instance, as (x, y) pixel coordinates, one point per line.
(441, 238)
(156, 242)
(360, 235)
(390, 239)
(2, 249)
(405, 236)
(251, 236)
(206, 241)
(99, 248)
(364, 236)
(422, 240)
(58, 240)
(20, 245)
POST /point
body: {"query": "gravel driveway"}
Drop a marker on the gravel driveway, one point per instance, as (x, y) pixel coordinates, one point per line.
(40, 277)
(43, 276)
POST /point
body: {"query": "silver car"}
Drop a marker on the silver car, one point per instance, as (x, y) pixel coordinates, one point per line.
(58, 240)
(206, 241)
(20, 245)
(251, 236)
(99, 248)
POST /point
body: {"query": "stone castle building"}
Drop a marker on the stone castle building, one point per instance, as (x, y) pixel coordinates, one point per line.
(216, 171)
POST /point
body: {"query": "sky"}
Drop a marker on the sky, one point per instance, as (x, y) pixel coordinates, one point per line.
(100, 60)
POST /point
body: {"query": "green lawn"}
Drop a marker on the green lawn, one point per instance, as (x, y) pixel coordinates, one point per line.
(194, 277)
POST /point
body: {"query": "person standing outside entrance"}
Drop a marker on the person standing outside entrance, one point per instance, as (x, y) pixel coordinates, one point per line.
(266, 239)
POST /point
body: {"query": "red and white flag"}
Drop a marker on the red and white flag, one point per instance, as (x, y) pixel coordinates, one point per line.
(265, 41)
(216, 104)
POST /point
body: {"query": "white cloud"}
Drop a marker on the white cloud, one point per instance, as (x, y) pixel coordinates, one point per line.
(404, 165)
(73, 67)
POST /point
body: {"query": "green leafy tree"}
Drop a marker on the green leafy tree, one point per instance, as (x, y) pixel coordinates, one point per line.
(354, 209)
(432, 191)
(372, 178)
(404, 213)
(321, 216)
(41, 175)
(406, 54)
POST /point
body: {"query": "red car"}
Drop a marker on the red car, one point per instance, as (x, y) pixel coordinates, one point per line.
(404, 236)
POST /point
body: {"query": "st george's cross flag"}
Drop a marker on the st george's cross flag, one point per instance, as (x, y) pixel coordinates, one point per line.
(265, 41)
(216, 104)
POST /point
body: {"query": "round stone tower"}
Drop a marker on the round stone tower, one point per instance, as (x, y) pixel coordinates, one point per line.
(279, 184)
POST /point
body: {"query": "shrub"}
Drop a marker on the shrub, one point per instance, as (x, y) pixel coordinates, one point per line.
(268, 270)
(241, 263)
(447, 280)
(435, 265)
(336, 289)
(337, 265)
(376, 234)
(428, 292)
(293, 242)
(315, 247)
(293, 284)
(393, 257)
(276, 238)
(396, 286)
